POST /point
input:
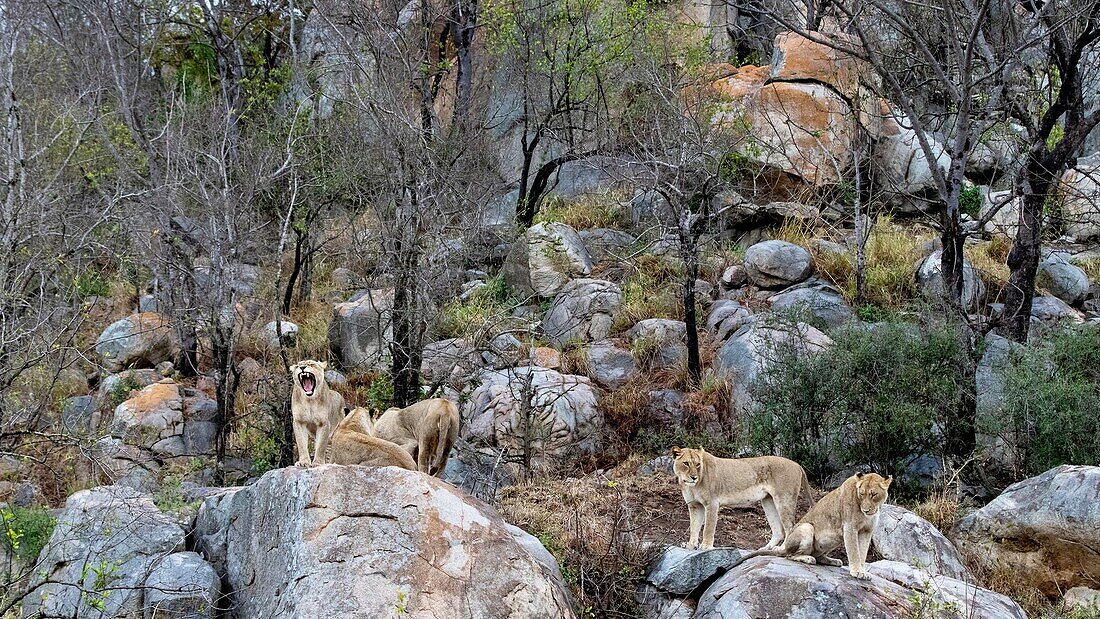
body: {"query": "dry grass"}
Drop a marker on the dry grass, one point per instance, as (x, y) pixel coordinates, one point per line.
(652, 291)
(609, 210)
(989, 258)
(890, 254)
(1091, 267)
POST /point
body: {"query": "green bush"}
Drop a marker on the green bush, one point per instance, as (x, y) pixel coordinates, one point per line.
(874, 398)
(1051, 402)
(970, 200)
(26, 530)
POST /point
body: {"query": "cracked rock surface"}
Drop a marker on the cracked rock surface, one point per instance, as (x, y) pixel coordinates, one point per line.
(336, 541)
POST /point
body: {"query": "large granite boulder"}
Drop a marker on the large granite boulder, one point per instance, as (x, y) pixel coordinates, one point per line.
(362, 329)
(544, 259)
(182, 585)
(1080, 188)
(904, 536)
(771, 587)
(107, 542)
(142, 340)
(582, 312)
(553, 415)
(821, 304)
(1046, 528)
(726, 317)
(1062, 278)
(748, 351)
(168, 419)
(776, 264)
(1050, 309)
(930, 280)
(662, 340)
(364, 542)
(610, 365)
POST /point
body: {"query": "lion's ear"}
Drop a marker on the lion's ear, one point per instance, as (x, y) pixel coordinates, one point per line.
(675, 452)
(886, 482)
(347, 411)
(859, 475)
(324, 365)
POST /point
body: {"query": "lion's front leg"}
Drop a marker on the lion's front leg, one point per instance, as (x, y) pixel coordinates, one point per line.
(301, 441)
(851, 547)
(695, 525)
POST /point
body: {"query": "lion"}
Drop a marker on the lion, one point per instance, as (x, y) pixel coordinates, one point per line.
(427, 430)
(708, 483)
(315, 409)
(352, 443)
(847, 515)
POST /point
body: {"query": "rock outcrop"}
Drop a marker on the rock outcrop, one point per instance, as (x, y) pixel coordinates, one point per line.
(542, 261)
(363, 542)
(582, 312)
(141, 341)
(776, 264)
(362, 329)
(904, 536)
(1045, 528)
(750, 349)
(552, 415)
(107, 542)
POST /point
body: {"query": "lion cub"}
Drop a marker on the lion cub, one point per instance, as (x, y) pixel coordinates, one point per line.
(315, 410)
(708, 483)
(352, 443)
(427, 430)
(847, 515)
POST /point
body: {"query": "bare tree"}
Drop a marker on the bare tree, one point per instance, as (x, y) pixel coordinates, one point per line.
(679, 146)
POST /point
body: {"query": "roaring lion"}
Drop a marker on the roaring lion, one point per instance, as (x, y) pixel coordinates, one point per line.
(847, 515)
(709, 483)
(315, 410)
(427, 430)
(352, 443)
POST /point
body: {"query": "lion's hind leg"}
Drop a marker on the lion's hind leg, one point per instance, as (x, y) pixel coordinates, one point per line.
(775, 521)
(800, 544)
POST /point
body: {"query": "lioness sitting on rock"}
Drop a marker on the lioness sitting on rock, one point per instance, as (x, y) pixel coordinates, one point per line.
(315, 410)
(708, 483)
(847, 515)
(427, 430)
(352, 443)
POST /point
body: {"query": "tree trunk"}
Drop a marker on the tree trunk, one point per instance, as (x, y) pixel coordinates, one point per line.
(691, 262)
(1023, 260)
(951, 256)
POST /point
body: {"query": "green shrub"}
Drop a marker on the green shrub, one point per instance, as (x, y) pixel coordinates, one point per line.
(380, 392)
(26, 530)
(486, 307)
(970, 200)
(91, 284)
(873, 398)
(1051, 402)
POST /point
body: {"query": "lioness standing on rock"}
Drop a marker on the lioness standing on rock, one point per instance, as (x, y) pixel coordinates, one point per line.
(847, 515)
(708, 483)
(427, 430)
(315, 410)
(353, 443)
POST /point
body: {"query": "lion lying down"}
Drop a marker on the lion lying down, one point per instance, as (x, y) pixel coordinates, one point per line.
(352, 443)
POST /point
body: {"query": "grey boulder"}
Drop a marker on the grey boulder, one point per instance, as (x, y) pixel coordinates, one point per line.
(106, 543)
(1047, 527)
(364, 542)
(775, 264)
(582, 311)
(904, 536)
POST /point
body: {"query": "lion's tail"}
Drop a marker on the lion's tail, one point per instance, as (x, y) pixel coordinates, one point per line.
(447, 433)
(806, 490)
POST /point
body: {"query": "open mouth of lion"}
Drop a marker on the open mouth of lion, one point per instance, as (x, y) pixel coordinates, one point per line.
(308, 382)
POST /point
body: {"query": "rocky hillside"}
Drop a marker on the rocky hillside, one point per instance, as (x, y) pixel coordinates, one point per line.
(603, 230)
